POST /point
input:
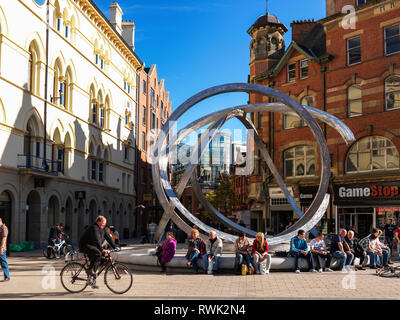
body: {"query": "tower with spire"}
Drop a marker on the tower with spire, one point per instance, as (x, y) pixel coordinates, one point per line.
(267, 45)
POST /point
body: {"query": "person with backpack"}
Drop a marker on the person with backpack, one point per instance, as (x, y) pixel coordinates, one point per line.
(261, 258)
(242, 251)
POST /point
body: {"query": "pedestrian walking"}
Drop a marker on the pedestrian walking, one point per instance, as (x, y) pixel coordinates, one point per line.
(388, 233)
(3, 248)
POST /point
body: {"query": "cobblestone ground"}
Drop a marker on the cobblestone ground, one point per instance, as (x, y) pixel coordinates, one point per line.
(29, 282)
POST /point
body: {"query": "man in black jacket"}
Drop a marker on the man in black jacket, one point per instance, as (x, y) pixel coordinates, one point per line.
(356, 249)
(56, 233)
(91, 243)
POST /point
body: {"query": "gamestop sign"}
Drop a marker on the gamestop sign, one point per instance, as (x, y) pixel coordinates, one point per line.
(385, 193)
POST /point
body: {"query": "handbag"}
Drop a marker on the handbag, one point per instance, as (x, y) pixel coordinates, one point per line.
(281, 254)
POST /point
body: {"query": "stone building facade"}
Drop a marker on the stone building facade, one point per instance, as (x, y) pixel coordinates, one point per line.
(75, 89)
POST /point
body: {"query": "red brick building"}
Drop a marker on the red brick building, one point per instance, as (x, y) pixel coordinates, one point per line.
(154, 108)
(352, 73)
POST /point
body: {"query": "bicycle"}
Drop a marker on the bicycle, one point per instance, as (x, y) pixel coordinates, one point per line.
(389, 272)
(57, 249)
(117, 277)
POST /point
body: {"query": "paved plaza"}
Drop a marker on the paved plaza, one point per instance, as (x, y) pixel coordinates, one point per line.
(32, 278)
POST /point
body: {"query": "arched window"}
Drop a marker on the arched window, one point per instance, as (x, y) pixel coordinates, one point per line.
(92, 164)
(372, 153)
(67, 153)
(34, 69)
(354, 101)
(57, 17)
(93, 105)
(392, 92)
(59, 85)
(57, 152)
(299, 161)
(68, 90)
(292, 121)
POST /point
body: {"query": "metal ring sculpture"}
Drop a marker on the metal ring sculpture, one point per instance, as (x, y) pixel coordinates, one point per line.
(169, 199)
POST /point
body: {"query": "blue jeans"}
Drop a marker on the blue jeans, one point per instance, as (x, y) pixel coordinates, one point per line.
(4, 265)
(344, 259)
(216, 264)
(246, 257)
(297, 259)
(384, 259)
(193, 261)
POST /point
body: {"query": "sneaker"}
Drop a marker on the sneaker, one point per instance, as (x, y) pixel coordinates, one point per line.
(390, 262)
(320, 270)
(257, 272)
(297, 271)
(313, 270)
(328, 270)
(266, 272)
(373, 267)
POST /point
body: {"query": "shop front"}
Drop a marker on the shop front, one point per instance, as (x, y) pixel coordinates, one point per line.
(366, 205)
(281, 210)
(307, 196)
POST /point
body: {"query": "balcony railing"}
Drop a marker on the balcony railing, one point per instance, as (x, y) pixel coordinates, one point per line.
(29, 161)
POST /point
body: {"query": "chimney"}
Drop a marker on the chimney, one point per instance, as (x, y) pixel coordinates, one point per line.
(116, 16)
(336, 6)
(128, 33)
(301, 28)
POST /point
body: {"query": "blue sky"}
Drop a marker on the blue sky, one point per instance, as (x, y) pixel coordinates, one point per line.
(197, 44)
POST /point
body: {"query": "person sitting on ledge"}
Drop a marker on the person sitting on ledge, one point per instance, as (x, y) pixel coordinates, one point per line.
(299, 250)
(320, 252)
(356, 249)
(213, 252)
(341, 250)
(261, 258)
(168, 249)
(242, 250)
(374, 250)
(196, 249)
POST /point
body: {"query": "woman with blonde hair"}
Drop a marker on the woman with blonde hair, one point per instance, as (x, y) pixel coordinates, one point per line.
(196, 249)
(261, 258)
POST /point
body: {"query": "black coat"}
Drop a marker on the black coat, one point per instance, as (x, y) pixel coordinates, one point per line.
(94, 236)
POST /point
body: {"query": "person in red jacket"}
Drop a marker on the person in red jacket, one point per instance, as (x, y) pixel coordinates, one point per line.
(261, 258)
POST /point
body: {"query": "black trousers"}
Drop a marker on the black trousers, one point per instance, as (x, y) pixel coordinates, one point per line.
(360, 255)
(319, 260)
(94, 255)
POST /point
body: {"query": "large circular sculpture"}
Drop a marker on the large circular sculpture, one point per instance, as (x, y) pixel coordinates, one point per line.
(166, 144)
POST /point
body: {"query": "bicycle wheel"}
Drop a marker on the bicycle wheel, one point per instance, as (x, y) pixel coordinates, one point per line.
(118, 278)
(67, 249)
(73, 277)
(50, 252)
(387, 273)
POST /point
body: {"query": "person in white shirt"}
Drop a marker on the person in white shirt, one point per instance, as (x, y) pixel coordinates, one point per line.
(320, 253)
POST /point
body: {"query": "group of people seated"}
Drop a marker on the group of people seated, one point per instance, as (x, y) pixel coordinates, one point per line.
(345, 247)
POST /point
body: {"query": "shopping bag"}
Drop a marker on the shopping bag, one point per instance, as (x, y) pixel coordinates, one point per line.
(244, 269)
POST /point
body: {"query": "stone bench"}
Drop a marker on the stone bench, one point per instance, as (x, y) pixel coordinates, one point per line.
(144, 261)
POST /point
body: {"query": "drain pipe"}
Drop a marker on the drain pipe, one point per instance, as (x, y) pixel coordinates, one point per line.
(44, 164)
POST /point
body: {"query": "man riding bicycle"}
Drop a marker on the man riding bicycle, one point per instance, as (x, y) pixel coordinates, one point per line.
(91, 243)
(56, 234)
